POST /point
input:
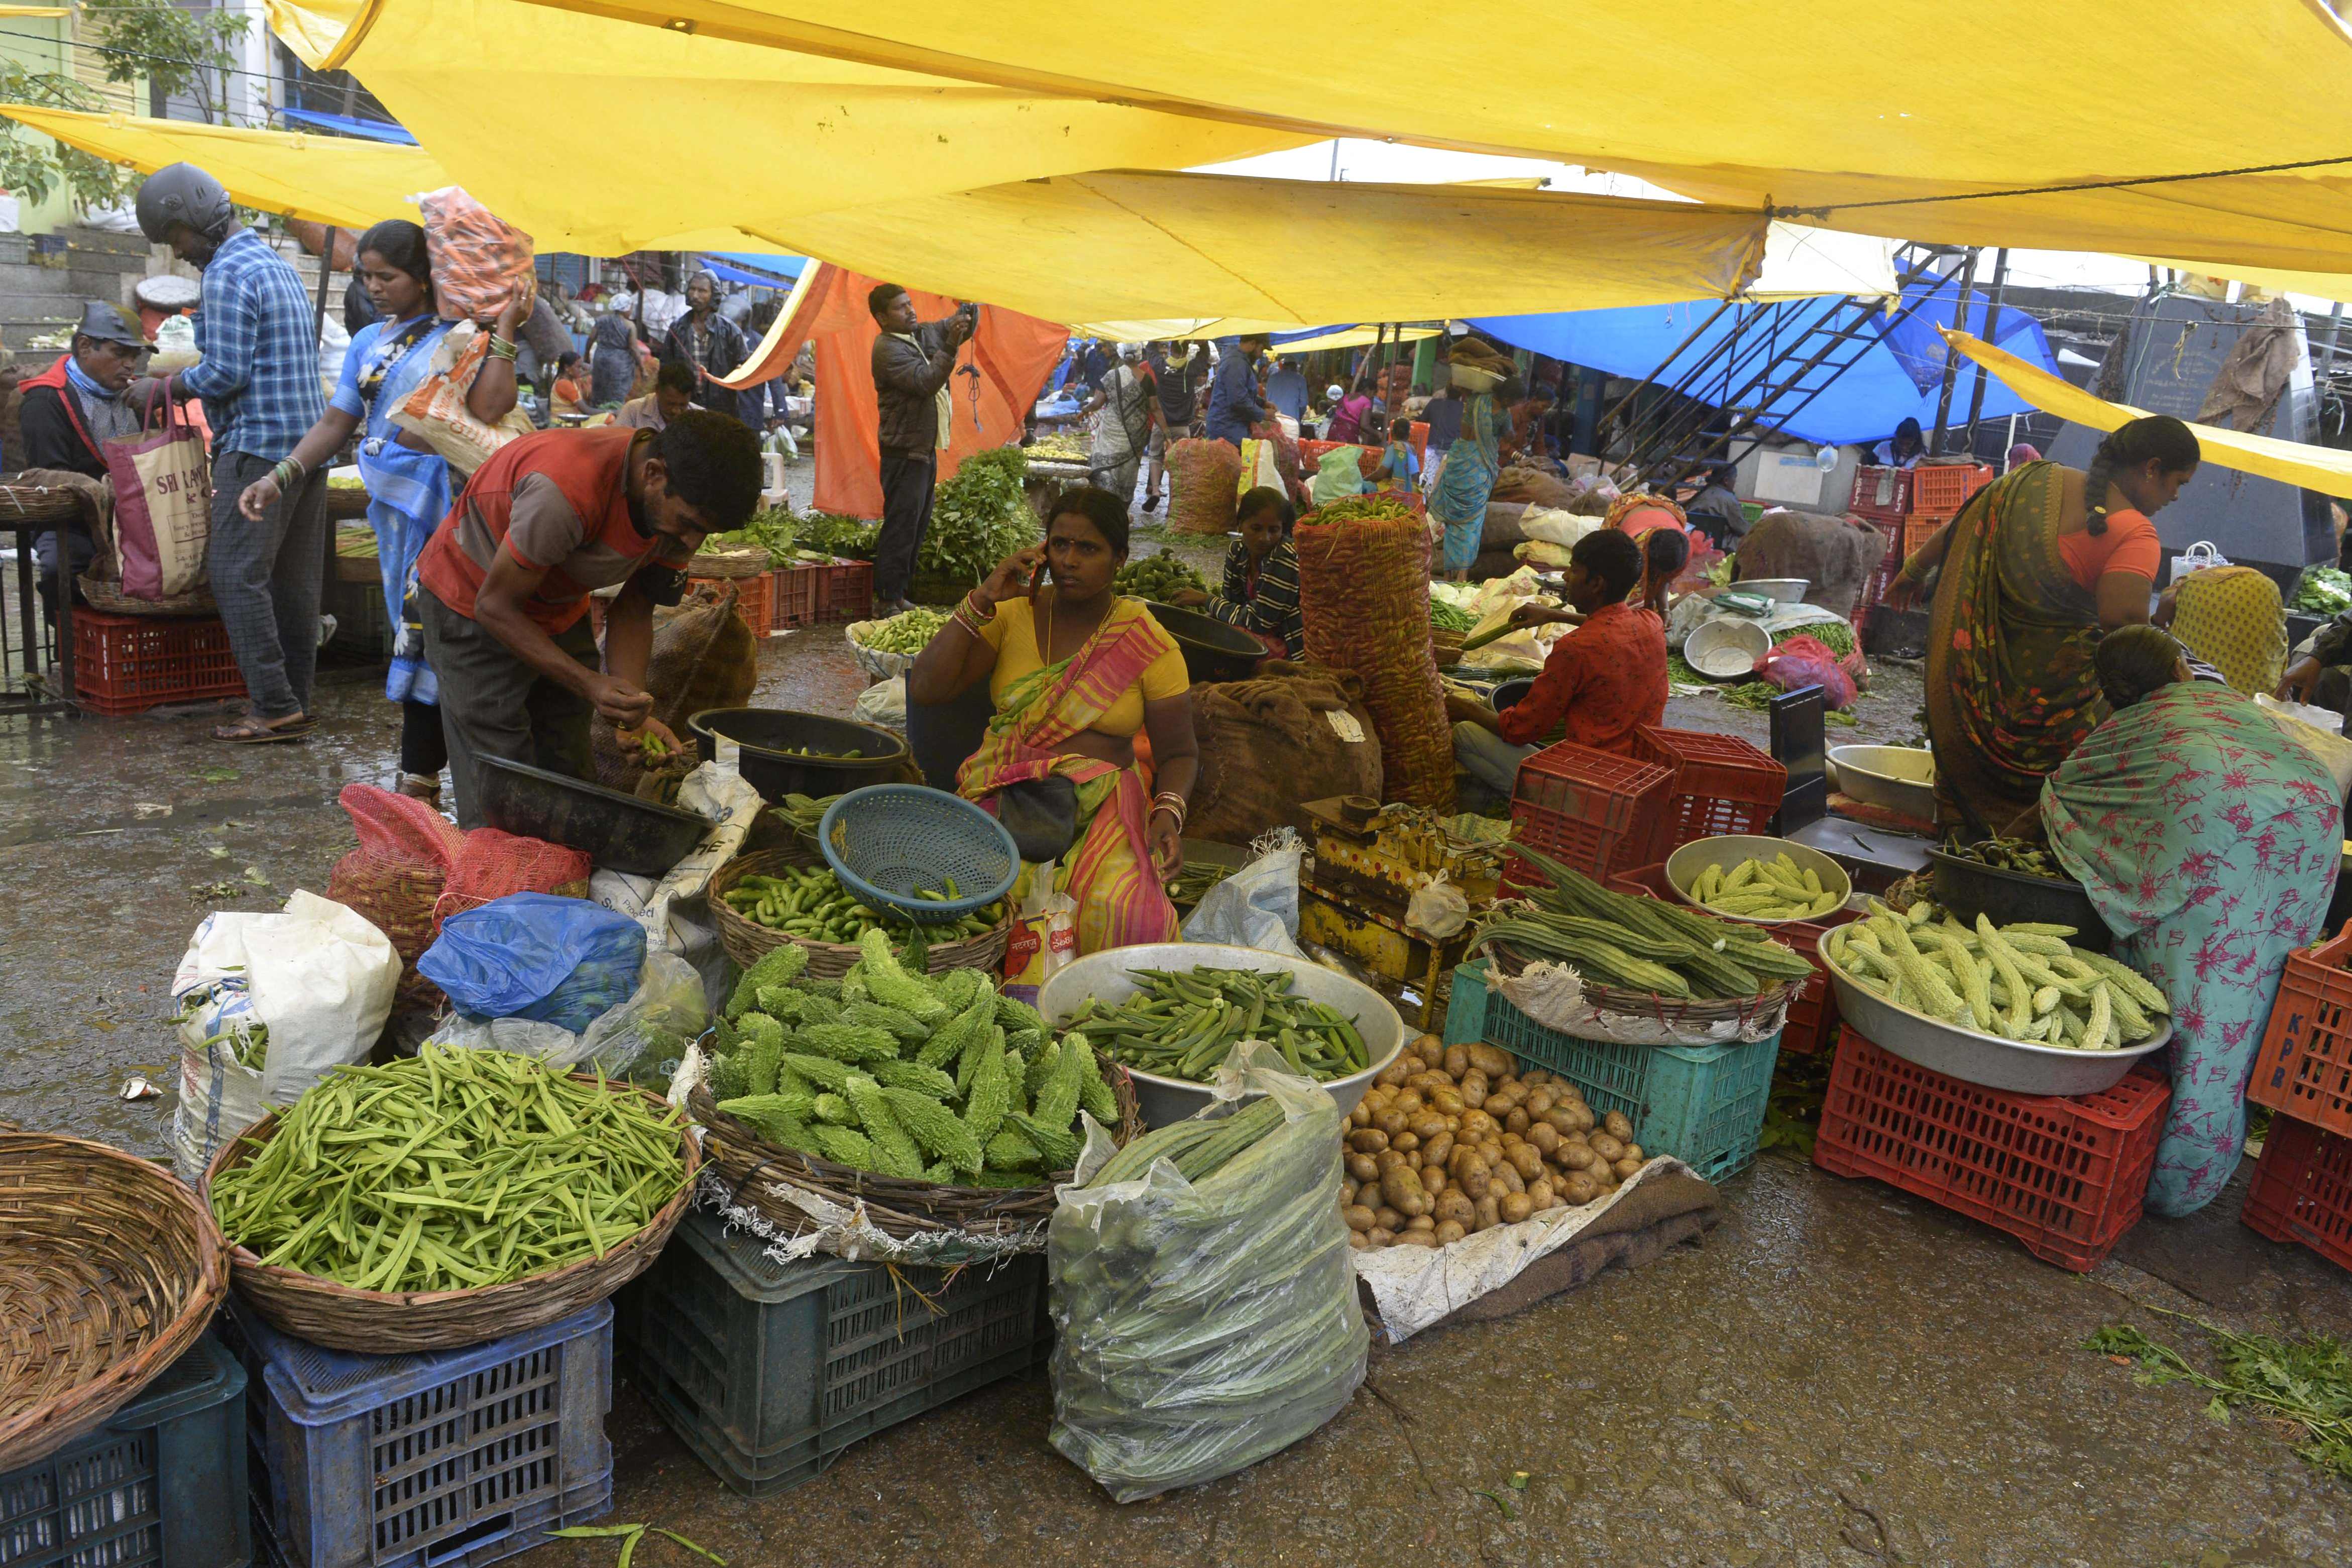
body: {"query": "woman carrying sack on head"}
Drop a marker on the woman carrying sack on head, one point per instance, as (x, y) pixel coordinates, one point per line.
(408, 484)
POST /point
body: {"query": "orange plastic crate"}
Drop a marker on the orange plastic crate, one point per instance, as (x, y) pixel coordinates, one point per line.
(796, 594)
(2305, 1067)
(754, 598)
(128, 664)
(1721, 784)
(2065, 1177)
(1920, 527)
(2302, 1190)
(1943, 489)
(1591, 810)
(1814, 1014)
(847, 594)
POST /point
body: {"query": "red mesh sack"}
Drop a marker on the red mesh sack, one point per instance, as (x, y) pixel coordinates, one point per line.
(1807, 661)
(397, 875)
(478, 262)
(1363, 592)
(494, 864)
(1204, 486)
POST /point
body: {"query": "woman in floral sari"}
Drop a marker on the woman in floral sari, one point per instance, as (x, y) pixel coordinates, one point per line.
(408, 483)
(2208, 838)
(2034, 568)
(1465, 480)
(1074, 672)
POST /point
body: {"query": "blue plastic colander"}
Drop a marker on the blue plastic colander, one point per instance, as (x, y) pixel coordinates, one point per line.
(887, 840)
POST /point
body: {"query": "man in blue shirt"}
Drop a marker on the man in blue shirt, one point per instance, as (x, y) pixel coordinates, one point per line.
(1233, 403)
(258, 378)
(1286, 390)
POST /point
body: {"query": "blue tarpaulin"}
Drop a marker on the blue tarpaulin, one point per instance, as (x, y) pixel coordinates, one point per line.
(1898, 376)
(758, 271)
(373, 130)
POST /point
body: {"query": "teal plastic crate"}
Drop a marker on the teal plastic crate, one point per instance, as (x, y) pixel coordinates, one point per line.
(769, 1370)
(1702, 1104)
(161, 1485)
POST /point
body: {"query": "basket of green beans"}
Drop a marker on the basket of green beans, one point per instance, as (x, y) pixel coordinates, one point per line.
(447, 1199)
(762, 901)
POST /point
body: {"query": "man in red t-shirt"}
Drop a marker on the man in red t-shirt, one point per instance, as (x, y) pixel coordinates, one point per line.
(503, 586)
(1605, 679)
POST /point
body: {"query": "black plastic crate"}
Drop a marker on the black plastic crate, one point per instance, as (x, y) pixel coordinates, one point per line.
(769, 1369)
(161, 1485)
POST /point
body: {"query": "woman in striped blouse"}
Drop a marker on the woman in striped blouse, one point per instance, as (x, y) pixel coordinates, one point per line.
(1260, 593)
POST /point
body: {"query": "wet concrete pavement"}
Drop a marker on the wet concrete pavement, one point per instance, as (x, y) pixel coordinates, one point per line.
(1837, 1376)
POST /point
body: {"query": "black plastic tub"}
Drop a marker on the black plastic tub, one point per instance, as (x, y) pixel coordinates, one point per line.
(618, 831)
(1213, 652)
(863, 753)
(1969, 887)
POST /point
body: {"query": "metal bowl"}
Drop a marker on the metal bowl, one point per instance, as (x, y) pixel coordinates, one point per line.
(1900, 778)
(1107, 977)
(617, 832)
(2018, 1065)
(1727, 648)
(1683, 866)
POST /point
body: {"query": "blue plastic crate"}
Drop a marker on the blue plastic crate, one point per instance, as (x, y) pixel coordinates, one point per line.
(1702, 1104)
(769, 1370)
(454, 1459)
(161, 1485)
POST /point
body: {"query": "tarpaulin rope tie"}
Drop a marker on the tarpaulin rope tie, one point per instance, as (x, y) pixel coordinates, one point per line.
(2055, 190)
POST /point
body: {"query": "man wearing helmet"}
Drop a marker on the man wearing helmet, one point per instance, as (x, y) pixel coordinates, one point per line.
(258, 378)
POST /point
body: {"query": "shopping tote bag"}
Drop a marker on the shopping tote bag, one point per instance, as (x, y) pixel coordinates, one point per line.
(162, 507)
(436, 410)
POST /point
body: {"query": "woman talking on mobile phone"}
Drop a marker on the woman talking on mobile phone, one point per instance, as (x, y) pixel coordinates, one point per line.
(1074, 672)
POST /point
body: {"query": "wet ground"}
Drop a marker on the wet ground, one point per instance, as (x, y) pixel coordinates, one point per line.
(1838, 1375)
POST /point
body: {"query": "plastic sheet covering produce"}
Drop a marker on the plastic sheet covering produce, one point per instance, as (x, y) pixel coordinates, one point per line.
(1203, 1324)
(533, 955)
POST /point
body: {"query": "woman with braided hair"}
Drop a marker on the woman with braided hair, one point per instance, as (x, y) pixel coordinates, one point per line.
(2037, 566)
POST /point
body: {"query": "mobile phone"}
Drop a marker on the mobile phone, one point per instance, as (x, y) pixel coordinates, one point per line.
(1041, 574)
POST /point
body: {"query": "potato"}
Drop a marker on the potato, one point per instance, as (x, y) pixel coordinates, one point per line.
(1625, 1169)
(1538, 1101)
(1396, 1071)
(1542, 1194)
(1409, 1102)
(1528, 1160)
(1348, 1191)
(1477, 1124)
(1452, 1205)
(1401, 1184)
(1446, 1101)
(1359, 1217)
(1474, 1088)
(1618, 1126)
(1451, 1231)
(1518, 1121)
(1430, 1049)
(1562, 1120)
(1378, 1236)
(1512, 1090)
(1579, 1189)
(1580, 1117)
(1426, 1125)
(1473, 1176)
(1434, 1180)
(1368, 1139)
(1405, 1143)
(1497, 1105)
(1361, 1115)
(1515, 1208)
(1389, 1120)
(1575, 1156)
(1388, 1218)
(1545, 1137)
(1508, 1174)
(1605, 1146)
(1489, 1214)
(1437, 1148)
(1427, 1239)
(1387, 1159)
(1633, 1153)
(1363, 1168)
(1421, 1222)
(1487, 1060)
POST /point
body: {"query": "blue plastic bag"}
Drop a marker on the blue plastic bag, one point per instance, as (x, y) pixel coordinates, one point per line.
(533, 955)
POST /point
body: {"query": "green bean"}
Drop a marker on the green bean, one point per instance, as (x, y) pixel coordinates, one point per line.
(809, 902)
(1184, 1023)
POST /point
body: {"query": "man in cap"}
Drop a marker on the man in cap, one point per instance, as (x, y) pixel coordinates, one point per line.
(72, 409)
(1127, 405)
(911, 364)
(258, 378)
(711, 345)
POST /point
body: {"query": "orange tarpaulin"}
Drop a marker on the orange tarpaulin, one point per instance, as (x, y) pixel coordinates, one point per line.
(1013, 354)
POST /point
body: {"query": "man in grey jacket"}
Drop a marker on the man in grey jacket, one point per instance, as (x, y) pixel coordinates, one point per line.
(912, 362)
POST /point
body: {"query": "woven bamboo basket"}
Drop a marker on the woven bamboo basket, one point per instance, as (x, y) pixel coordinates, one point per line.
(39, 503)
(1446, 645)
(743, 1166)
(1692, 1013)
(110, 598)
(383, 1322)
(747, 940)
(109, 1269)
(347, 503)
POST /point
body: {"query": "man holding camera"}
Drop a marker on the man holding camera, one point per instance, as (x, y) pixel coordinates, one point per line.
(912, 362)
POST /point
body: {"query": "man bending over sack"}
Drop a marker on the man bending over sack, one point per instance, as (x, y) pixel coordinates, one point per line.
(503, 586)
(1606, 679)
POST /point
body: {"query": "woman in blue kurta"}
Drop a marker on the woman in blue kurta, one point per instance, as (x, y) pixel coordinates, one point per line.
(1472, 465)
(2209, 839)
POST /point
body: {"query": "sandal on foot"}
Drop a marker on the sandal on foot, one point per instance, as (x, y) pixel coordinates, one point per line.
(253, 729)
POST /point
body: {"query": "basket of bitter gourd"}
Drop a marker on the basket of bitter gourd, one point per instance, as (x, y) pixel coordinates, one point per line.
(929, 1108)
(1644, 958)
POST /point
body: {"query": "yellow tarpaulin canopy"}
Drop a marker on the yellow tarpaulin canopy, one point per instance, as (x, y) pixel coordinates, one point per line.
(2324, 284)
(326, 179)
(601, 137)
(2321, 468)
(1828, 102)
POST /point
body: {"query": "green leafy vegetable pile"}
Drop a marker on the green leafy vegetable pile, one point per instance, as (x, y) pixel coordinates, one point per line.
(978, 518)
(837, 535)
(2304, 1385)
(2321, 591)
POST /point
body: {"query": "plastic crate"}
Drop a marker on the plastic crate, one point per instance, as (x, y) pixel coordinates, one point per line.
(452, 1458)
(2302, 1190)
(1880, 491)
(2065, 1176)
(161, 1485)
(1920, 527)
(754, 598)
(848, 592)
(2305, 1067)
(796, 594)
(1702, 1104)
(1942, 489)
(1591, 810)
(1721, 784)
(1812, 1015)
(128, 664)
(769, 1369)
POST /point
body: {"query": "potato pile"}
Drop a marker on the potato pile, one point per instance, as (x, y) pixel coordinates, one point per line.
(1454, 1138)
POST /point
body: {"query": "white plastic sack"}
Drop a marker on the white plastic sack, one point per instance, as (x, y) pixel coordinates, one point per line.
(1257, 906)
(644, 1038)
(1556, 527)
(674, 910)
(1553, 995)
(304, 990)
(883, 703)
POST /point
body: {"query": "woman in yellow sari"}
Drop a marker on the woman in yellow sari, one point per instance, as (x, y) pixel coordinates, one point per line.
(1074, 672)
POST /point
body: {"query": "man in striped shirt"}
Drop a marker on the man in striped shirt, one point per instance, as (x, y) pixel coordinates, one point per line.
(258, 377)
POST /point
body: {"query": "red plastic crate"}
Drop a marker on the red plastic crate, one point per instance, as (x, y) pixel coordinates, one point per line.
(796, 594)
(2302, 1190)
(847, 594)
(1814, 1014)
(2305, 1067)
(128, 664)
(1881, 491)
(1591, 810)
(754, 598)
(2065, 1177)
(1722, 784)
(1945, 487)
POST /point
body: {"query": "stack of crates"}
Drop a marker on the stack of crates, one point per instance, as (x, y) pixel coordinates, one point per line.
(1721, 784)
(1593, 811)
(2302, 1190)
(1909, 505)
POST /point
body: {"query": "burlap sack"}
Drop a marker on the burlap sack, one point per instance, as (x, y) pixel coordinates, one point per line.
(1296, 732)
(703, 657)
